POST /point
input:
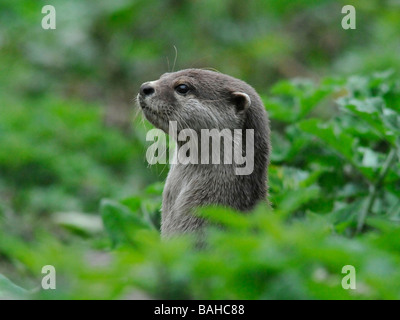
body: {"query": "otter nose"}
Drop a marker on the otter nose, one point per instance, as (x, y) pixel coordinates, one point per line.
(146, 89)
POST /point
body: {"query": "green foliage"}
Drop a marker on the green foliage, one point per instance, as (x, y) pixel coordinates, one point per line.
(77, 193)
(61, 150)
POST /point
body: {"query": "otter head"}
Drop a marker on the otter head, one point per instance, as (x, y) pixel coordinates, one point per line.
(196, 99)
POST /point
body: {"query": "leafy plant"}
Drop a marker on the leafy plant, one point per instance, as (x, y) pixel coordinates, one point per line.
(334, 186)
(67, 141)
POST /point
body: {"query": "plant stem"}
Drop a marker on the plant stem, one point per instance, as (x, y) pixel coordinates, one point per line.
(373, 189)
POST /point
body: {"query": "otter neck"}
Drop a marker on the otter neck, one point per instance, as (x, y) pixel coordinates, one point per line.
(226, 147)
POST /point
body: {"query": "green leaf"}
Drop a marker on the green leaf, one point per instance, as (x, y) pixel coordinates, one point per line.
(121, 223)
(79, 222)
(296, 98)
(374, 113)
(332, 135)
(290, 201)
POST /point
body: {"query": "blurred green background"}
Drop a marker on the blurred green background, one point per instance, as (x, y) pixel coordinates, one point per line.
(69, 138)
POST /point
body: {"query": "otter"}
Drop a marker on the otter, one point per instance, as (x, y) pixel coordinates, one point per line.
(202, 99)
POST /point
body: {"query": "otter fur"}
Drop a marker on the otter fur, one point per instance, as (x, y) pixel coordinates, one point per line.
(202, 99)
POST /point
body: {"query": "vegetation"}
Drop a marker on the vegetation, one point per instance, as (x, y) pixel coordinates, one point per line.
(76, 191)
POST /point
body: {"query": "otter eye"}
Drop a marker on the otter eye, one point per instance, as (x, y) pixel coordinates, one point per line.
(182, 89)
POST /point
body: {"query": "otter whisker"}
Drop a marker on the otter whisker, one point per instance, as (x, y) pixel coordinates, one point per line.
(176, 56)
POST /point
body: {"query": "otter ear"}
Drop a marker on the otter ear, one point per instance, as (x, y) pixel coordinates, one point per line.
(241, 100)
